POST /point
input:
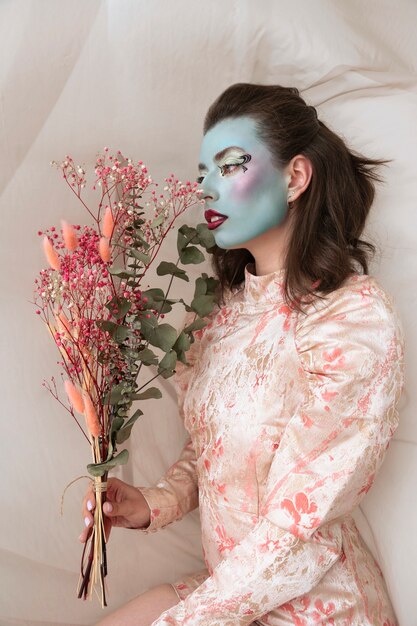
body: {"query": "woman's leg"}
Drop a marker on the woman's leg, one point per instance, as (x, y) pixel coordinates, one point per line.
(144, 609)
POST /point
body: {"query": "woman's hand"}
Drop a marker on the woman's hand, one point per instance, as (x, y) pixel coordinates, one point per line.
(125, 506)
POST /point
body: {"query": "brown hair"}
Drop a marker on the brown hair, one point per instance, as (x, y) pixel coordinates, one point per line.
(329, 217)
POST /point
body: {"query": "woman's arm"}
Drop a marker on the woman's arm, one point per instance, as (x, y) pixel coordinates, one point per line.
(176, 492)
(352, 358)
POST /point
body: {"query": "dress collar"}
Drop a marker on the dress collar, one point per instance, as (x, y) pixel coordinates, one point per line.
(265, 289)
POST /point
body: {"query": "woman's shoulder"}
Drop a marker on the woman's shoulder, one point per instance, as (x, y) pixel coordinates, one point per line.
(360, 299)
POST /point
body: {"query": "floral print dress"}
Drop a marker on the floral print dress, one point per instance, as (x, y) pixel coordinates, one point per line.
(289, 418)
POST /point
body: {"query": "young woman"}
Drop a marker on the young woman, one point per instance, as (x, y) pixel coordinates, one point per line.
(290, 399)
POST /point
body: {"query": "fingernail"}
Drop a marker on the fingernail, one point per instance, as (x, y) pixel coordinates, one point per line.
(86, 521)
(80, 537)
(107, 507)
(89, 505)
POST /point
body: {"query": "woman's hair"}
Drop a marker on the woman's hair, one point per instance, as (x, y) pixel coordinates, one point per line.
(329, 216)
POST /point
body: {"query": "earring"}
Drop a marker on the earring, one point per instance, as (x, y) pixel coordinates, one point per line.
(291, 193)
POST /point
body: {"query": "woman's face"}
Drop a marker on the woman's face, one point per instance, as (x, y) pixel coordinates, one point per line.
(240, 181)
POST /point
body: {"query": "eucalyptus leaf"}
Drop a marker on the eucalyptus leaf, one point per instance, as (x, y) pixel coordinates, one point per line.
(141, 256)
(121, 333)
(99, 469)
(169, 361)
(152, 392)
(165, 373)
(133, 418)
(124, 433)
(120, 272)
(181, 357)
(200, 288)
(148, 324)
(155, 300)
(205, 236)
(188, 231)
(166, 267)
(115, 394)
(123, 307)
(138, 235)
(203, 305)
(153, 294)
(133, 282)
(198, 324)
(185, 235)
(211, 283)
(163, 307)
(116, 424)
(183, 342)
(147, 357)
(118, 332)
(142, 244)
(106, 325)
(191, 255)
(164, 337)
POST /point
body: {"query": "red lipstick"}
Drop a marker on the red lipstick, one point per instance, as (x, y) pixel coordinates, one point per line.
(214, 219)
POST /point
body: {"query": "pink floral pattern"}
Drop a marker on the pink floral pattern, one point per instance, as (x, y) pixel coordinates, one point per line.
(301, 511)
(289, 418)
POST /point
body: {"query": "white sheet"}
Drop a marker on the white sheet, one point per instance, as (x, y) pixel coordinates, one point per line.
(139, 76)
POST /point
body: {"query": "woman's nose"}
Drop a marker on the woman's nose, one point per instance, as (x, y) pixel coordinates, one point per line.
(208, 196)
(209, 191)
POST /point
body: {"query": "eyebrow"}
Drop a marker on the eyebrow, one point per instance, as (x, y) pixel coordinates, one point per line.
(220, 155)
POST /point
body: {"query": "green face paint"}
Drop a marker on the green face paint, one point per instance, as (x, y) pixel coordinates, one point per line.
(242, 183)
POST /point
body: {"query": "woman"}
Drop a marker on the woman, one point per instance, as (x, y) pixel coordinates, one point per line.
(291, 398)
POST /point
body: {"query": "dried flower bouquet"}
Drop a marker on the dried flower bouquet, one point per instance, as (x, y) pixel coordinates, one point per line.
(103, 321)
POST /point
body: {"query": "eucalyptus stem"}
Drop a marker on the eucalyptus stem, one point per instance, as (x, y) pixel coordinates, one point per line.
(159, 312)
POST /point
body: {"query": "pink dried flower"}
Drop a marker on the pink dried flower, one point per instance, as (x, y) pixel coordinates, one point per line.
(51, 254)
(104, 249)
(69, 236)
(74, 396)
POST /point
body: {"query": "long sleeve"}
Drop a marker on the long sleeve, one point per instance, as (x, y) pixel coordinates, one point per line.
(351, 355)
(176, 492)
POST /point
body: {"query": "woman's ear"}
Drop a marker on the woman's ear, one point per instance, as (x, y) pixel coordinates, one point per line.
(298, 174)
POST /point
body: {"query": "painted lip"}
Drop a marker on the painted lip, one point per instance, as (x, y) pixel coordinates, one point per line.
(209, 214)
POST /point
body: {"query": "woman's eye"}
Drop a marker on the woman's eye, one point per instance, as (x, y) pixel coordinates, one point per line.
(226, 166)
(245, 158)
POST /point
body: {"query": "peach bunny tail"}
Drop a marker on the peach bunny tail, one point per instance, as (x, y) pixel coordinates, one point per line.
(51, 254)
(69, 236)
(108, 223)
(65, 323)
(74, 396)
(104, 249)
(91, 418)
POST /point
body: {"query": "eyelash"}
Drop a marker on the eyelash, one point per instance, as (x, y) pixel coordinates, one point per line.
(245, 159)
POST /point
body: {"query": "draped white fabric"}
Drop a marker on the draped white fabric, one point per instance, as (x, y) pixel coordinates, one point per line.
(139, 76)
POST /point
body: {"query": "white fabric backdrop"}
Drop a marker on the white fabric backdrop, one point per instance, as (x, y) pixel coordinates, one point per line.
(139, 76)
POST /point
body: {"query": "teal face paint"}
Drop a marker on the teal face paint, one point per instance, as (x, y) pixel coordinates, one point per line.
(242, 184)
